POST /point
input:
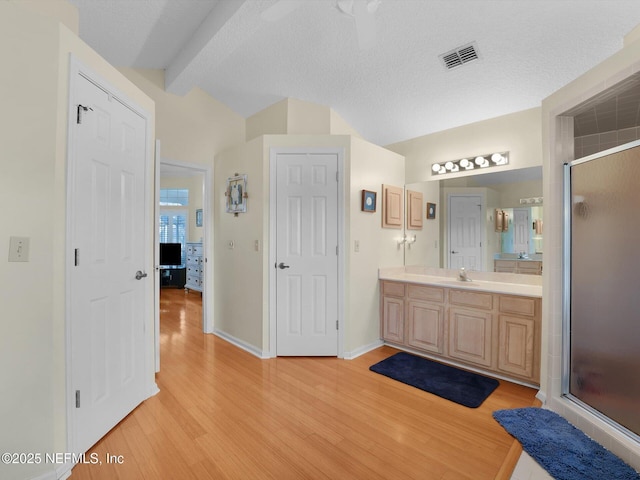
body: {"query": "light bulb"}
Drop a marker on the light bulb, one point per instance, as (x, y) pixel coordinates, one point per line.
(464, 162)
(435, 167)
(448, 165)
(479, 161)
(496, 157)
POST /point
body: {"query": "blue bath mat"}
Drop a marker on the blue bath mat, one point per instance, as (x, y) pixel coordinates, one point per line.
(460, 386)
(563, 450)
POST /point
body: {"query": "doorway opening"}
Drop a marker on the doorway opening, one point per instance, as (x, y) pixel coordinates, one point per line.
(183, 239)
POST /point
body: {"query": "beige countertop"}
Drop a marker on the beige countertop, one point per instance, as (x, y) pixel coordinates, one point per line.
(506, 284)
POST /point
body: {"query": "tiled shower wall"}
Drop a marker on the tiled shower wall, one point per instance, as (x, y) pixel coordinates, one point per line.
(590, 144)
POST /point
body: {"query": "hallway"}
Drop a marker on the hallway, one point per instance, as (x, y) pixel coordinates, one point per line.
(223, 413)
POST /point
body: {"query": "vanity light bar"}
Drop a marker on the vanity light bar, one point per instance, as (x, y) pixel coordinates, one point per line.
(465, 164)
(531, 201)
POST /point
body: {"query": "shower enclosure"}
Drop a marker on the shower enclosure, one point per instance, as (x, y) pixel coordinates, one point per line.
(602, 285)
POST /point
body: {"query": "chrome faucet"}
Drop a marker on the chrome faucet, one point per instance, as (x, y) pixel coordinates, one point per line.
(462, 275)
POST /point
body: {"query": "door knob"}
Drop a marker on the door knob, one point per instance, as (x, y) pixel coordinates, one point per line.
(282, 266)
(453, 251)
(140, 275)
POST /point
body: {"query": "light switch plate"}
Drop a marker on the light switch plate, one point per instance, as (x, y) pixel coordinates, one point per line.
(19, 249)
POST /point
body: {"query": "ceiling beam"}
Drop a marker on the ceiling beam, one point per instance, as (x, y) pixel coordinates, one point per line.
(229, 24)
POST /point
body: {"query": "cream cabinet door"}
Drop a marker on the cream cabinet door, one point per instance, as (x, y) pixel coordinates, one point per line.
(393, 319)
(426, 326)
(470, 333)
(516, 350)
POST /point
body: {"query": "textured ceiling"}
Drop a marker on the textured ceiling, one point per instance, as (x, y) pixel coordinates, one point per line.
(392, 92)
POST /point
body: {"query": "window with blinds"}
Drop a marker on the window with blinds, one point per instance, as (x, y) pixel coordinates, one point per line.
(173, 228)
(174, 197)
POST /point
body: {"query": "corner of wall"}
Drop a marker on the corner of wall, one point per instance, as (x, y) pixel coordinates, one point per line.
(270, 121)
(632, 36)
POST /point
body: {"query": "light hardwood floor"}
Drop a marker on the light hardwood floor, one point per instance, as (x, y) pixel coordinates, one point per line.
(222, 413)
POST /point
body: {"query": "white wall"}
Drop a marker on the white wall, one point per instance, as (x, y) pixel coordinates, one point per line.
(33, 120)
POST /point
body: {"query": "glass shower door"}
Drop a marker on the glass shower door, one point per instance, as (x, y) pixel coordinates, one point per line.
(604, 359)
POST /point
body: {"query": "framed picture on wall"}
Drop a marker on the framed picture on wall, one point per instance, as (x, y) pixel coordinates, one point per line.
(368, 201)
(199, 217)
(431, 211)
(236, 194)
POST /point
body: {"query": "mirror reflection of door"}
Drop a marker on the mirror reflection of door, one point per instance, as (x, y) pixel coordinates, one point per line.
(465, 232)
(521, 230)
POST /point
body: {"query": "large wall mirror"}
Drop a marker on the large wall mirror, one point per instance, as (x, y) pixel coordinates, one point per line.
(506, 224)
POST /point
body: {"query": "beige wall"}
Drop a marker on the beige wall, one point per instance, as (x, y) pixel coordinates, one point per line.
(35, 52)
(191, 128)
(370, 167)
(242, 274)
(519, 133)
(297, 117)
(239, 271)
(558, 145)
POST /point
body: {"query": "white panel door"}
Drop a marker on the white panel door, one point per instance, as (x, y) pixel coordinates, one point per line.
(306, 249)
(107, 234)
(521, 230)
(465, 232)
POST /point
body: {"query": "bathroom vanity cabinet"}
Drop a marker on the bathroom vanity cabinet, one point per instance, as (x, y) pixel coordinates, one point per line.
(526, 267)
(496, 333)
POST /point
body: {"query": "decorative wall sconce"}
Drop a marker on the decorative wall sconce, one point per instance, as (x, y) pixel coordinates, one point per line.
(466, 164)
(406, 239)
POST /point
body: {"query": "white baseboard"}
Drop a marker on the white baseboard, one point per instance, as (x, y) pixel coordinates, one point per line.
(241, 344)
(362, 350)
(62, 472)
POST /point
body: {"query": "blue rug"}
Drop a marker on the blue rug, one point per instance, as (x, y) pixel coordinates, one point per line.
(466, 388)
(563, 450)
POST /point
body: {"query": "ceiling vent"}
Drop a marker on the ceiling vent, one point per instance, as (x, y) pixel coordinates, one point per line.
(460, 56)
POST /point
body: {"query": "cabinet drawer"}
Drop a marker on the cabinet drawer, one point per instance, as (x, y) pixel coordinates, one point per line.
(508, 266)
(530, 268)
(471, 299)
(420, 292)
(518, 305)
(393, 288)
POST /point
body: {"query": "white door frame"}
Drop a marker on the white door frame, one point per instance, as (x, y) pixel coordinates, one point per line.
(273, 154)
(207, 245)
(76, 69)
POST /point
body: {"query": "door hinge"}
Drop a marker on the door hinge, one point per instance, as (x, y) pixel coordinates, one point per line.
(337, 251)
(337, 176)
(77, 398)
(76, 257)
(336, 324)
